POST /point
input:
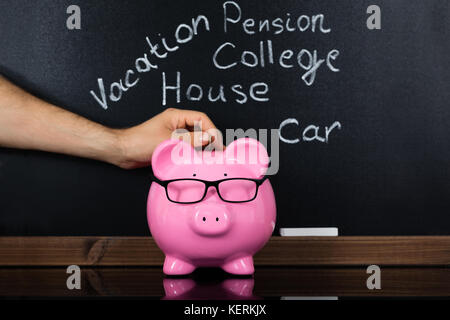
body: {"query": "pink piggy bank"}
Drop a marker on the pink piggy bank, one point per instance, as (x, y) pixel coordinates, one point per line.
(210, 208)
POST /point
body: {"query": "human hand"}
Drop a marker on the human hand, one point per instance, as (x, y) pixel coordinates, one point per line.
(137, 144)
(27, 122)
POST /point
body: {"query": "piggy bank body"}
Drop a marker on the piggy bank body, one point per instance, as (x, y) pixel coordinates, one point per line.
(214, 225)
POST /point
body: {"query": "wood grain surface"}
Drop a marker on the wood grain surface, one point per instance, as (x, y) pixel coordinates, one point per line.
(279, 251)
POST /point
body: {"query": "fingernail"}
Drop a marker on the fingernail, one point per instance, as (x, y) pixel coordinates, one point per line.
(205, 136)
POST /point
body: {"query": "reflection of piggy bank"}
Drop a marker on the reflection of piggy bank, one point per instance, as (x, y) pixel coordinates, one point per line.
(210, 208)
(188, 289)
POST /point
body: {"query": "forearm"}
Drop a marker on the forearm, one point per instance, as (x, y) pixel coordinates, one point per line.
(27, 122)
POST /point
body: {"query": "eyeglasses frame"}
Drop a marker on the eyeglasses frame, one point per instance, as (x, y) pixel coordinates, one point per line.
(208, 184)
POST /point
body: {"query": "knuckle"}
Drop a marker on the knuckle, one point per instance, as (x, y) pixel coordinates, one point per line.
(170, 110)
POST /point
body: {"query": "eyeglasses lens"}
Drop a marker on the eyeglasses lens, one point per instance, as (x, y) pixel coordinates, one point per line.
(237, 190)
(186, 191)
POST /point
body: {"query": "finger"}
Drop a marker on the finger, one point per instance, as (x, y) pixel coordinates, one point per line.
(216, 139)
(215, 136)
(191, 118)
(199, 139)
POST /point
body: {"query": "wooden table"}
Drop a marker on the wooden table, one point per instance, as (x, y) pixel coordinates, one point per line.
(286, 267)
(279, 251)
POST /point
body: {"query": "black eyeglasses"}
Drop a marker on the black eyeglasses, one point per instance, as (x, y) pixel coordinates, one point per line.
(188, 191)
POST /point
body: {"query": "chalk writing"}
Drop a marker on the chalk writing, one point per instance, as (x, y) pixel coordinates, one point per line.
(184, 33)
(195, 92)
(307, 62)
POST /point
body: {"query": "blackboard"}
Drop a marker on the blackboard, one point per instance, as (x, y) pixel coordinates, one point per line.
(384, 171)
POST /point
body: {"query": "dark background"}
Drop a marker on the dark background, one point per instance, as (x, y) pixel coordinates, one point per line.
(387, 172)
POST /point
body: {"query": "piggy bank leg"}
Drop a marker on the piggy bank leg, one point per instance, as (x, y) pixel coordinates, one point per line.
(174, 266)
(241, 266)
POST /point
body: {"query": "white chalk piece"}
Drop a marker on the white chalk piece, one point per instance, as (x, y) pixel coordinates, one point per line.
(309, 232)
(309, 298)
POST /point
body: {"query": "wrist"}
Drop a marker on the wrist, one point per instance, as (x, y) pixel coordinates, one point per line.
(121, 155)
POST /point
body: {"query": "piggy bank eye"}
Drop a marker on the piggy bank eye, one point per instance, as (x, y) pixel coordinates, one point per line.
(194, 174)
(225, 174)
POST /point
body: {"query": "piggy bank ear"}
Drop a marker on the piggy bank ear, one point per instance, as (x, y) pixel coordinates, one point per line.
(169, 154)
(250, 153)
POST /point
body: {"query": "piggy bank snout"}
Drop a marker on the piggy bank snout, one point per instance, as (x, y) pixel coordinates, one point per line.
(210, 220)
